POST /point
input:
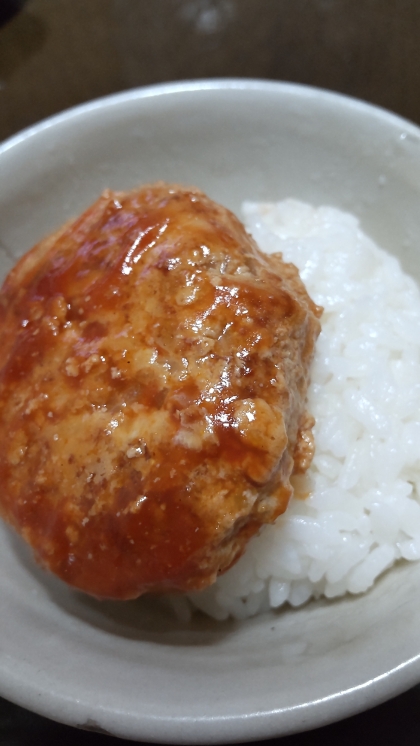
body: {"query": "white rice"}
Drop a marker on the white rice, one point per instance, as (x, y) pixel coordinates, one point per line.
(363, 513)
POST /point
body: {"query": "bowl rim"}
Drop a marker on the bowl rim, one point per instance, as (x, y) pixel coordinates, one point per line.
(207, 84)
(259, 724)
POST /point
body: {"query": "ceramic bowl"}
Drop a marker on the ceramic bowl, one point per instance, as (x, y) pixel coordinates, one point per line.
(130, 669)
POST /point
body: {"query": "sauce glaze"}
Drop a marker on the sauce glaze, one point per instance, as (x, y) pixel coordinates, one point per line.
(152, 392)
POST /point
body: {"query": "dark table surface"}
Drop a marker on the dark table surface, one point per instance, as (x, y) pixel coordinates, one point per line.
(58, 53)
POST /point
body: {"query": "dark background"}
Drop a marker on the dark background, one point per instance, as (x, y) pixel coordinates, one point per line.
(58, 53)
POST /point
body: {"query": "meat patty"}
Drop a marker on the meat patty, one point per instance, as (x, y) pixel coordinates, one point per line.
(152, 392)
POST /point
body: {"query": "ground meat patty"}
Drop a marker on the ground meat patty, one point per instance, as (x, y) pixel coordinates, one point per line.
(152, 392)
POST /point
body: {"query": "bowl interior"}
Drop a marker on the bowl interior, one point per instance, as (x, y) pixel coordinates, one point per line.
(131, 669)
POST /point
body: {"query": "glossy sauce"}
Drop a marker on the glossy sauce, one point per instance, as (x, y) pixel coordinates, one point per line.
(153, 384)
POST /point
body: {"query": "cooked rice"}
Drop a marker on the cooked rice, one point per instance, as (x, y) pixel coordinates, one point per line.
(363, 512)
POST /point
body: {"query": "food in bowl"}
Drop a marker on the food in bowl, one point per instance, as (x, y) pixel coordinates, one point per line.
(153, 389)
(363, 511)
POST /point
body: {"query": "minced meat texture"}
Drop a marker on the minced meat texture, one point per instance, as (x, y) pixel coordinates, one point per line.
(152, 392)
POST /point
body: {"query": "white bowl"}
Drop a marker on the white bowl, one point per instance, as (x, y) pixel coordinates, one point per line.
(128, 668)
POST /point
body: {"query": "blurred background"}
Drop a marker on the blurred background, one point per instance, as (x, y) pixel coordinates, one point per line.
(58, 53)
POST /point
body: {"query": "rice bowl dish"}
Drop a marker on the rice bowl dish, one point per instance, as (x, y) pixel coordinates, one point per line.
(131, 669)
(357, 511)
(188, 437)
